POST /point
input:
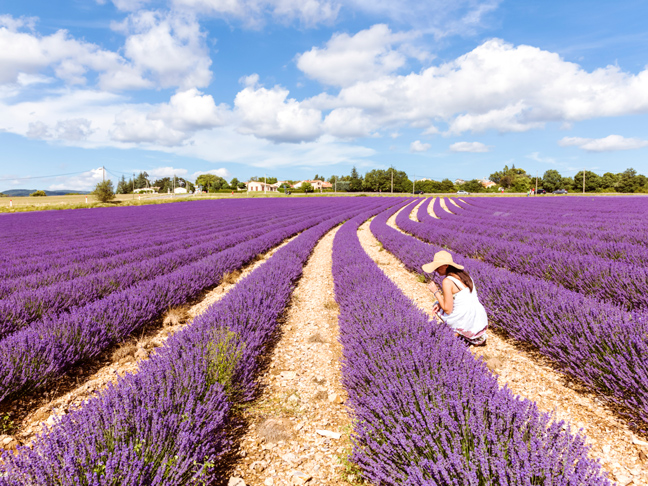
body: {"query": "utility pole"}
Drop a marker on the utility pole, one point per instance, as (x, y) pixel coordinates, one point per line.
(413, 187)
(265, 182)
(173, 185)
(536, 191)
(103, 170)
(392, 184)
(336, 184)
(583, 181)
(133, 185)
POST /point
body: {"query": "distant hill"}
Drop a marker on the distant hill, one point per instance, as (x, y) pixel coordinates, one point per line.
(27, 192)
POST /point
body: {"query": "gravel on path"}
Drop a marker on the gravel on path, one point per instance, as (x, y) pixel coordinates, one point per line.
(298, 428)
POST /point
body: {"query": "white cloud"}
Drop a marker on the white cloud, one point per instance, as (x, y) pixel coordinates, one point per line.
(224, 173)
(348, 123)
(545, 160)
(82, 182)
(269, 113)
(439, 17)
(348, 59)
(254, 12)
(611, 143)
(170, 47)
(74, 130)
(474, 147)
(520, 88)
(38, 130)
(133, 126)
(417, 146)
(161, 172)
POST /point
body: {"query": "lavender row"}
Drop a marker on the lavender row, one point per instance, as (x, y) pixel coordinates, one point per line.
(32, 357)
(93, 246)
(621, 283)
(23, 233)
(22, 308)
(598, 343)
(426, 411)
(485, 223)
(167, 423)
(591, 221)
(44, 270)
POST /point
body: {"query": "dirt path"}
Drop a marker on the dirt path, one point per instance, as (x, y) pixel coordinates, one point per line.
(299, 425)
(623, 455)
(444, 204)
(431, 210)
(29, 415)
(414, 211)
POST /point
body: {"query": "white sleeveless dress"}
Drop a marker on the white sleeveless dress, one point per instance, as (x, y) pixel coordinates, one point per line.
(468, 317)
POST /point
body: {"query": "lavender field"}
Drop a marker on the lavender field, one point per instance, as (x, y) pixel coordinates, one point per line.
(563, 280)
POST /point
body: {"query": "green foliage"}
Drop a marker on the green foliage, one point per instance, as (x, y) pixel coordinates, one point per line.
(104, 191)
(551, 181)
(38, 194)
(381, 181)
(592, 181)
(307, 187)
(223, 352)
(513, 178)
(6, 424)
(473, 186)
(211, 182)
(355, 181)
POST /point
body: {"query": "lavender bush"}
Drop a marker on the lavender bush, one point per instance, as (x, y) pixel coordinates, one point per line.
(596, 342)
(426, 411)
(166, 424)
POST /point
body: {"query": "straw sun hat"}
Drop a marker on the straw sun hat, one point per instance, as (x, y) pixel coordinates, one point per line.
(440, 258)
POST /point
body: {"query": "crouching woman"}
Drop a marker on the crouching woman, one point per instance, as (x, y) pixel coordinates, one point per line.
(458, 304)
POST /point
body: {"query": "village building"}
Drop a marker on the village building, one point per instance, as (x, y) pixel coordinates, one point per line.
(256, 186)
(317, 185)
(459, 182)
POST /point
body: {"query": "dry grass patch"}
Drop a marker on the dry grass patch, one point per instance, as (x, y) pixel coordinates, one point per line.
(232, 277)
(175, 316)
(126, 349)
(321, 395)
(316, 338)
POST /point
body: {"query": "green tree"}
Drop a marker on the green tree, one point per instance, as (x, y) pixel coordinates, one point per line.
(234, 183)
(38, 194)
(447, 186)
(609, 181)
(355, 181)
(319, 178)
(104, 191)
(629, 181)
(473, 186)
(551, 180)
(592, 181)
(122, 185)
(307, 187)
(211, 182)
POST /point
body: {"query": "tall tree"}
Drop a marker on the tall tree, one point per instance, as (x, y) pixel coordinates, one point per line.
(551, 180)
(355, 181)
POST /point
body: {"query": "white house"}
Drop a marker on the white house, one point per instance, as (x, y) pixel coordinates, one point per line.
(278, 184)
(486, 183)
(144, 190)
(180, 190)
(256, 186)
(458, 182)
(317, 185)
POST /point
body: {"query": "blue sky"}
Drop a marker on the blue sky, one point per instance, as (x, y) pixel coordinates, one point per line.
(291, 88)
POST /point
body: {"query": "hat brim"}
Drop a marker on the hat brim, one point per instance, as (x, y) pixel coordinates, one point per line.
(432, 266)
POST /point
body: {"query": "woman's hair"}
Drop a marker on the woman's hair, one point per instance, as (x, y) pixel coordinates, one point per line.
(461, 275)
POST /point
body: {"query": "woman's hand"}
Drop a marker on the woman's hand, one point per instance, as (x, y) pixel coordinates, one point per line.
(436, 308)
(432, 287)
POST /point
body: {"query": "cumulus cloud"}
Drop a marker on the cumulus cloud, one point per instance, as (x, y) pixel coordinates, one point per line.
(474, 147)
(169, 47)
(82, 182)
(222, 172)
(417, 146)
(73, 130)
(348, 123)
(269, 113)
(520, 88)
(160, 172)
(38, 130)
(611, 143)
(254, 12)
(348, 59)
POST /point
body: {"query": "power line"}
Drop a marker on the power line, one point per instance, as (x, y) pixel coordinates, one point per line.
(42, 177)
